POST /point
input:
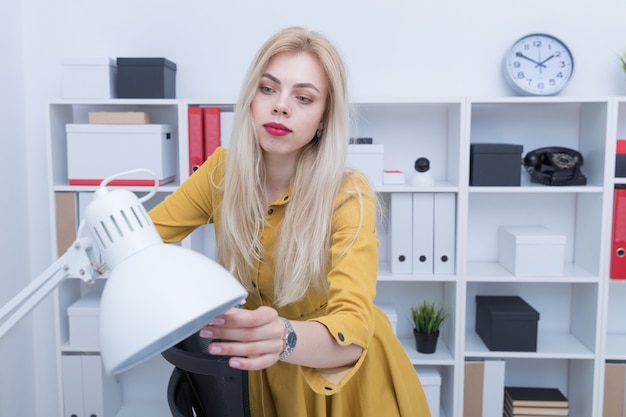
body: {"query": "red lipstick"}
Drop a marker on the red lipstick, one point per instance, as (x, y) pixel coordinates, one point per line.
(276, 129)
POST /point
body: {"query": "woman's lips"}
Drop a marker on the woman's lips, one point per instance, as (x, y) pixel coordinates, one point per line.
(276, 129)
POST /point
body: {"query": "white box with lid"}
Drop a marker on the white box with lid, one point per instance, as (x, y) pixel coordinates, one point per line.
(368, 158)
(530, 251)
(431, 383)
(84, 321)
(95, 152)
(89, 77)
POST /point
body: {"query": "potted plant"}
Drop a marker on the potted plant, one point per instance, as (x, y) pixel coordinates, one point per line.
(427, 318)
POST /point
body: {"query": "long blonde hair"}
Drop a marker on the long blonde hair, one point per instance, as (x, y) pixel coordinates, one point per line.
(302, 254)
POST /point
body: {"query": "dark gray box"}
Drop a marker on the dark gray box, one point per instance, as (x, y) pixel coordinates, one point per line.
(495, 164)
(506, 323)
(145, 78)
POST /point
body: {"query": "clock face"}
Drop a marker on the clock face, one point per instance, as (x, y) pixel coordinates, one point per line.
(538, 64)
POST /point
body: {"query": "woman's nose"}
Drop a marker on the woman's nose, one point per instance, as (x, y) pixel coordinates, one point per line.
(281, 107)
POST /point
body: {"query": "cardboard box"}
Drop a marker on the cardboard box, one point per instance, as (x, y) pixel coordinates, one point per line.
(146, 78)
(89, 78)
(620, 158)
(431, 383)
(495, 164)
(369, 160)
(84, 318)
(120, 117)
(95, 152)
(530, 251)
(506, 323)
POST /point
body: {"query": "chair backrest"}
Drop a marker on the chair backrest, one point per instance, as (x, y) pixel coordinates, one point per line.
(204, 385)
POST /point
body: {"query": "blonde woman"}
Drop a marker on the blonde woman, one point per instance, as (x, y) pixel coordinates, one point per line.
(297, 228)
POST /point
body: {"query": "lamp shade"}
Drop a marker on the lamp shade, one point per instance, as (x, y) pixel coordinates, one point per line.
(158, 297)
(157, 294)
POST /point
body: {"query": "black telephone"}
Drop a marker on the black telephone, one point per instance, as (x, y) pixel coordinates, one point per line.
(555, 166)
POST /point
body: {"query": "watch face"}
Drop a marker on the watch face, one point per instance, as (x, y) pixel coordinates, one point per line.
(538, 64)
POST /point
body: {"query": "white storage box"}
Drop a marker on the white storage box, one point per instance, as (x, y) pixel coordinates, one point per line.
(95, 152)
(431, 382)
(393, 177)
(390, 311)
(531, 251)
(368, 159)
(89, 77)
(84, 318)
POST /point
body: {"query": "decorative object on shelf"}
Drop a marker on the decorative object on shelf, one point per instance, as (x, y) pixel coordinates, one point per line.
(506, 323)
(427, 319)
(555, 166)
(141, 313)
(422, 177)
(145, 78)
(495, 164)
(538, 65)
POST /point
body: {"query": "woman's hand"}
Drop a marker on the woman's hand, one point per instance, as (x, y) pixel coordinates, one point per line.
(255, 337)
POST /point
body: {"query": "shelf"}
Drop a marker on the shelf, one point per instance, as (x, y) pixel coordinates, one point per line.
(442, 356)
(385, 275)
(550, 345)
(616, 346)
(494, 272)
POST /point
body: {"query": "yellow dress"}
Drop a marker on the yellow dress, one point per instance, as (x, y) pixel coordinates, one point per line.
(383, 383)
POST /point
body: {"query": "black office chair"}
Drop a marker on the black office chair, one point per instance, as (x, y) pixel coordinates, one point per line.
(203, 385)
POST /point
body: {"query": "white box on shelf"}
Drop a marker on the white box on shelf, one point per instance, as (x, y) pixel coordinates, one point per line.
(390, 311)
(84, 318)
(531, 251)
(368, 158)
(393, 177)
(95, 152)
(89, 77)
(431, 383)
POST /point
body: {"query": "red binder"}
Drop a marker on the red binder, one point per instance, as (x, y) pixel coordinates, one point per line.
(618, 243)
(196, 140)
(212, 137)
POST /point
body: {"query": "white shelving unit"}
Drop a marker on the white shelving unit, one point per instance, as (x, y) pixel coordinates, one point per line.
(581, 312)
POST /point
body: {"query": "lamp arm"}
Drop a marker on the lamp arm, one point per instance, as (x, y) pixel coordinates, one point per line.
(74, 263)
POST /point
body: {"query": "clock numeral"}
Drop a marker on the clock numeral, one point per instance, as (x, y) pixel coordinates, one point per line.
(552, 82)
(537, 44)
(559, 74)
(562, 64)
(520, 75)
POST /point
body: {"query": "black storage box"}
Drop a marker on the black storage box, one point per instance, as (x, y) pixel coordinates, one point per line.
(495, 164)
(620, 159)
(506, 323)
(145, 78)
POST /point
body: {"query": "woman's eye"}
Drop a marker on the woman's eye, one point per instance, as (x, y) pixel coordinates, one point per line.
(266, 90)
(304, 100)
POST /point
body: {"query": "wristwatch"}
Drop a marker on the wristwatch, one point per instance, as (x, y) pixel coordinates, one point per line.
(290, 339)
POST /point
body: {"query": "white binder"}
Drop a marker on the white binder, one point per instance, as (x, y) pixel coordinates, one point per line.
(400, 233)
(444, 233)
(423, 232)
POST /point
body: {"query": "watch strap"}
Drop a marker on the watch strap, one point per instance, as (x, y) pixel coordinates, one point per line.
(290, 339)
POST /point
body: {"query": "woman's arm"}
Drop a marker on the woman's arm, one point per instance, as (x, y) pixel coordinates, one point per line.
(260, 335)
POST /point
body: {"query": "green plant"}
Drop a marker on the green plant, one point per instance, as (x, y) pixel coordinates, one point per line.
(427, 317)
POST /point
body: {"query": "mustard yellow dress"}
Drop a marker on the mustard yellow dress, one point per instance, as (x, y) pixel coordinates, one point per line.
(383, 383)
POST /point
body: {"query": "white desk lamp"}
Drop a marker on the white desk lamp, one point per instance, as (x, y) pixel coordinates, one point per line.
(156, 294)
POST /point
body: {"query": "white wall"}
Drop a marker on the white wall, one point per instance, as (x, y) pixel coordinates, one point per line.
(16, 349)
(394, 49)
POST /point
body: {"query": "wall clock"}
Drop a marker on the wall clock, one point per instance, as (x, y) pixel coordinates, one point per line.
(538, 65)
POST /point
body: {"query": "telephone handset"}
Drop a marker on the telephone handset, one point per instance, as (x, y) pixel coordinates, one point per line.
(555, 166)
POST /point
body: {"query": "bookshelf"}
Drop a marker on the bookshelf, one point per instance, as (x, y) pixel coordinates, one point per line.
(580, 324)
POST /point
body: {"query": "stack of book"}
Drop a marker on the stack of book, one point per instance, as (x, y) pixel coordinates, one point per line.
(534, 402)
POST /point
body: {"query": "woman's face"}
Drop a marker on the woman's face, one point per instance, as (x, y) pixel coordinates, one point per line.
(289, 103)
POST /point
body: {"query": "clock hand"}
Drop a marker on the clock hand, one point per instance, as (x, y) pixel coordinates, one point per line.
(521, 55)
(545, 60)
